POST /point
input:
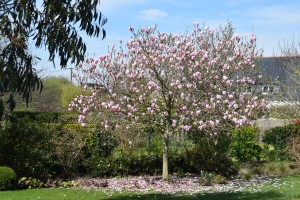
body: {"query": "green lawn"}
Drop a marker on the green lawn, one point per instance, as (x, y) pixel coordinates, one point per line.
(283, 189)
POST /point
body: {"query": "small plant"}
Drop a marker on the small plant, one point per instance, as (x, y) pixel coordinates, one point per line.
(68, 184)
(296, 171)
(245, 173)
(270, 169)
(284, 169)
(206, 179)
(269, 153)
(258, 170)
(8, 178)
(218, 179)
(30, 182)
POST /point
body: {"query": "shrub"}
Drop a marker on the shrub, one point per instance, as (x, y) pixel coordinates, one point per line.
(280, 136)
(124, 151)
(294, 147)
(26, 147)
(69, 144)
(208, 153)
(284, 112)
(102, 142)
(269, 153)
(29, 183)
(276, 169)
(244, 145)
(110, 153)
(139, 164)
(258, 170)
(36, 116)
(8, 178)
(206, 178)
(218, 179)
(42, 150)
(245, 173)
(208, 159)
(68, 184)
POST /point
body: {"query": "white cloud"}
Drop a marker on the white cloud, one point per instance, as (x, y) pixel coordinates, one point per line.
(152, 14)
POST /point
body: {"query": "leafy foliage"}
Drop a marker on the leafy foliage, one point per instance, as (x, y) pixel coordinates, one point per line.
(245, 144)
(294, 147)
(55, 97)
(8, 178)
(69, 92)
(36, 116)
(42, 145)
(144, 157)
(69, 144)
(25, 147)
(53, 25)
(29, 183)
(102, 142)
(207, 158)
(280, 136)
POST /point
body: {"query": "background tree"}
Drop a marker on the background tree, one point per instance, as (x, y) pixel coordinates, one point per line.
(54, 25)
(290, 62)
(55, 97)
(69, 92)
(289, 81)
(291, 51)
(176, 82)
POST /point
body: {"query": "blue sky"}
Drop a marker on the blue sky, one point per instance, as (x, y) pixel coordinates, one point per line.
(272, 21)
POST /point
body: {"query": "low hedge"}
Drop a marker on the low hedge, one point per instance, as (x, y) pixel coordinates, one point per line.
(8, 178)
(279, 138)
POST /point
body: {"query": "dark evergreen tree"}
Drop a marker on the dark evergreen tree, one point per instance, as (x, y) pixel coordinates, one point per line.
(54, 25)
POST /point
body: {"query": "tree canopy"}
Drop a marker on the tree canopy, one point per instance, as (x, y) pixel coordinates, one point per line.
(177, 82)
(54, 25)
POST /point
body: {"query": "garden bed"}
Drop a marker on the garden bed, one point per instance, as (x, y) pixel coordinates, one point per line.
(187, 184)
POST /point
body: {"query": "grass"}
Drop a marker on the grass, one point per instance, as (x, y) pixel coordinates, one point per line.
(277, 188)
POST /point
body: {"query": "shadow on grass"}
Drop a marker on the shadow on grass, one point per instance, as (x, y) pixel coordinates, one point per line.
(206, 196)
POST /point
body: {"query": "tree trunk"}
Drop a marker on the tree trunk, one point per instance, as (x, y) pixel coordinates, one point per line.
(165, 169)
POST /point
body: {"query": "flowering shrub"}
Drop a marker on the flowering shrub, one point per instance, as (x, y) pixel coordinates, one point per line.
(176, 82)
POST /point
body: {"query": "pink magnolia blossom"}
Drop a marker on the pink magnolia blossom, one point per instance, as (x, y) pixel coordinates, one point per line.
(186, 127)
(115, 108)
(151, 84)
(197, 75)
(182, 81)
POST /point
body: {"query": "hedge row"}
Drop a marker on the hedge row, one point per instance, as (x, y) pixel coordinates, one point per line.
(44, 117)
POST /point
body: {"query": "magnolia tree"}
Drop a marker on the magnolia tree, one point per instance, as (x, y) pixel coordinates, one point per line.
(178, 81)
